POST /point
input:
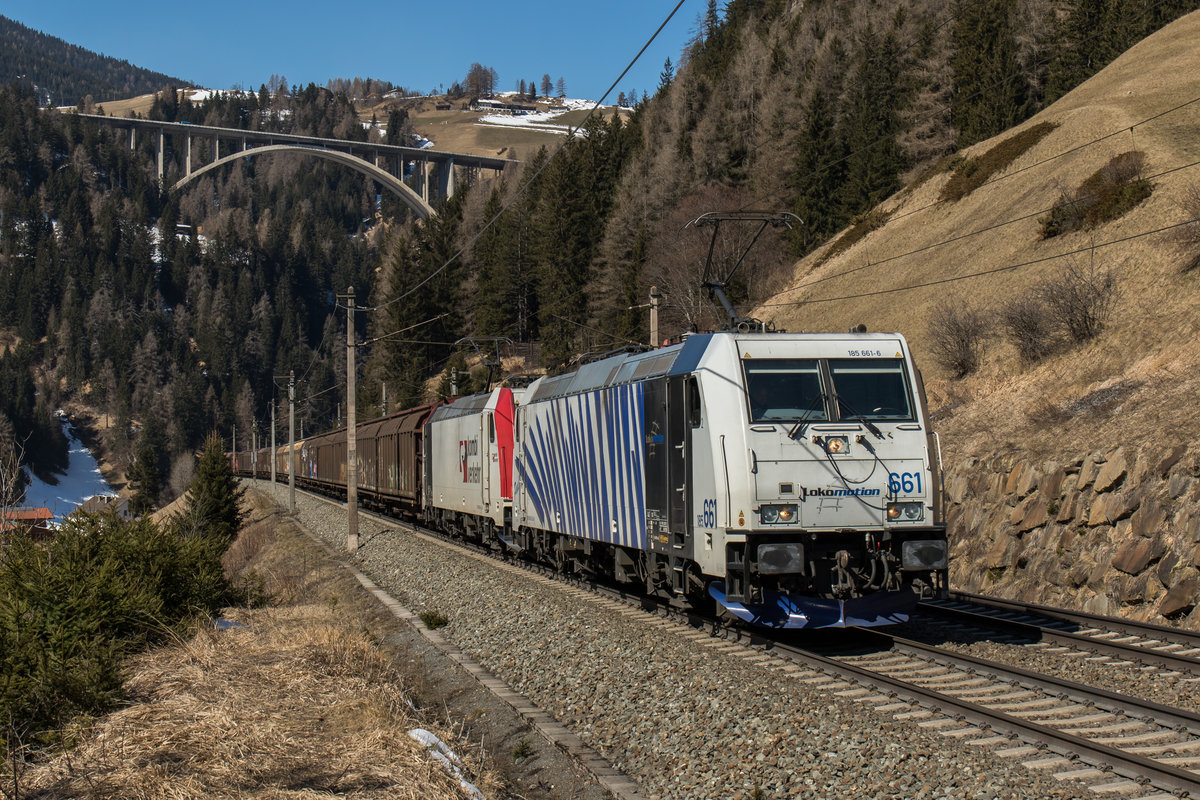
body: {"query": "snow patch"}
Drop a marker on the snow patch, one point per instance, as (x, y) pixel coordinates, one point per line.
(447, 758)
(540, 120)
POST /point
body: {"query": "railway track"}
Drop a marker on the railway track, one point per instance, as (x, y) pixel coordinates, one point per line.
(1120, 746)
(1138, 642)
(1141, 745)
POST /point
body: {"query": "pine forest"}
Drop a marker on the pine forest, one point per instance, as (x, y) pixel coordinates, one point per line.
(176, 314)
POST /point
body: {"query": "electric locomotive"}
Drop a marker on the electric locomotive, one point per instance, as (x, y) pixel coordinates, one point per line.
(792, 478)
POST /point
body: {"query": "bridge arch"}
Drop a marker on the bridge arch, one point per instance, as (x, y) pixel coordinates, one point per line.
(390, 182)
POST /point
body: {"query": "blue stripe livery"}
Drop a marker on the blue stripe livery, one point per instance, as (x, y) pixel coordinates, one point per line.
(581, 463)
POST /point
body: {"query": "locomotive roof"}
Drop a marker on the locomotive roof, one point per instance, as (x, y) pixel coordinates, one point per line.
(678, 359)
(470, 404)
(624, 368)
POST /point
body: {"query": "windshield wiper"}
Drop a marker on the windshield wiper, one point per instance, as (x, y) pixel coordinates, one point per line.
(797, 430)
(857, 416)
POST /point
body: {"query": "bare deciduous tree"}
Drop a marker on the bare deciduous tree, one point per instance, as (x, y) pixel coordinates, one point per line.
(1188, 236)
(677, 255)
(1081, 299)
(958, 332)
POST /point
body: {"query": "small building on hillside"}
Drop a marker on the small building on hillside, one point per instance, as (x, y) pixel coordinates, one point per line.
(36, 520)
(100, 503)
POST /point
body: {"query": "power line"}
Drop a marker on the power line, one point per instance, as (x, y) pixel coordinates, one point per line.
(403, 330)
(981, 273)
(960, 237)
(1085, 145)
(512, 200)
(594, 330)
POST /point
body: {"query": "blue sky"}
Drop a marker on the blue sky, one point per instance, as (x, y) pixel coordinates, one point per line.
(221, 44)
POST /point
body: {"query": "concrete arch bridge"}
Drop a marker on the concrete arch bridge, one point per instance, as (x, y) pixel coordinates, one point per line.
(434, 173)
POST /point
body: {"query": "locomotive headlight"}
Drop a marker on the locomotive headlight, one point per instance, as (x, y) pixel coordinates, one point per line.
(837, 445)
(780, 514)
(924, 554)
(905, 512)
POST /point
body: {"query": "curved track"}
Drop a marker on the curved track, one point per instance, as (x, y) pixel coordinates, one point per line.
(1121, 745)
(1158, 645)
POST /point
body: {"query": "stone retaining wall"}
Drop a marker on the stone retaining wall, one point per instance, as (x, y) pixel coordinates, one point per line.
(1113, 532)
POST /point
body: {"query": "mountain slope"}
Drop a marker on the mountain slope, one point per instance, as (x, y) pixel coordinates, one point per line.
(65, 73)
(1148, 101)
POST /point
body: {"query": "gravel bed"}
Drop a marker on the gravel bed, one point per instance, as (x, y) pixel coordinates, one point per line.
(1157, 685)
(681, 719)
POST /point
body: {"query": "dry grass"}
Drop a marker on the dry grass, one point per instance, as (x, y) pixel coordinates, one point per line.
(300, 701)
(1151, 336)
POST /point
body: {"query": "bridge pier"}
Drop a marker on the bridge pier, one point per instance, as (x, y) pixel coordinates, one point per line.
(446, 179)
(188, 148)
(162, 145)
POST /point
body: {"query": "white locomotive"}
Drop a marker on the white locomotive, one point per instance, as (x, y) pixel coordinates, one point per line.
(792, 478)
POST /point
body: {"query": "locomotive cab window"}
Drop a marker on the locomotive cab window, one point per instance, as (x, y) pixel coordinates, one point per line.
(695, 411)
(871, 388)
(784, 390)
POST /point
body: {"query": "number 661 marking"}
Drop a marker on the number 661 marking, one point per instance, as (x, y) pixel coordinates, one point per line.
(905, 483)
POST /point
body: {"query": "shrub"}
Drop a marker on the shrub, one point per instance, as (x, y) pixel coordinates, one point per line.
(1188, 236)
(971, 173)
(1029, 325)
(957, 332)
(1108, 194)
(72, 607)
(1080, 300)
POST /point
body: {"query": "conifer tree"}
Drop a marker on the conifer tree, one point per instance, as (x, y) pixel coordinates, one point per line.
(990, 88)
(214, 498)
(873, 159)
(819, 170)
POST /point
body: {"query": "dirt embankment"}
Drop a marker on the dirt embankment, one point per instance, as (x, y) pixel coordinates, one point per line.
(317, 692)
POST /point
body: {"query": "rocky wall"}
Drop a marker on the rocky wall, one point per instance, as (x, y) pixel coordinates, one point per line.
(1113, 532)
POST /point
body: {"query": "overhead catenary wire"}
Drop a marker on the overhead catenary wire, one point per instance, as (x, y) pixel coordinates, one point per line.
(1000, 178)
(528, 182)
(960, 237)
(981, 273)
(595, 330)
(934, 245)
(414, 326)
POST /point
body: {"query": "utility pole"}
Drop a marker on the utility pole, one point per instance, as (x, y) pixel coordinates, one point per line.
(273, 476)
(351, 433)
(383, 404)
(292, 441)
(655, 296)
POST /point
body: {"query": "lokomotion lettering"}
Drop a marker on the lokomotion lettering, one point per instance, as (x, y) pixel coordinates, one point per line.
(806, 493)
